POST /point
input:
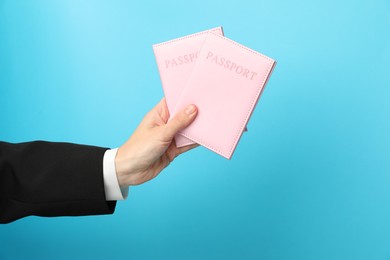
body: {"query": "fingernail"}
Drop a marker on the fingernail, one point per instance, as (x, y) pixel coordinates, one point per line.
(190, 109)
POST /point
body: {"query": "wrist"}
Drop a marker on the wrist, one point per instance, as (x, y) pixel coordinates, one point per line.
(120, 166)
(124, 164)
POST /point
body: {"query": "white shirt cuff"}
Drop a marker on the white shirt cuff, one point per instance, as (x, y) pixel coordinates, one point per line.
(111, 185)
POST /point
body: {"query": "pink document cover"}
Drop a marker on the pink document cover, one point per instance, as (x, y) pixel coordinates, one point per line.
(175, 61)
(225, 84)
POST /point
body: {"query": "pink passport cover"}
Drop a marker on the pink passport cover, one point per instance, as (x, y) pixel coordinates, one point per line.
(175, 61)
(225, 84)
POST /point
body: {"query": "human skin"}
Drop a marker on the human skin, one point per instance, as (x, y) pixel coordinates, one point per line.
(151, 147)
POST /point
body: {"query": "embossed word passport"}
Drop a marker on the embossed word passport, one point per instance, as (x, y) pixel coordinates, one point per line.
(225, 84)
(175, 61)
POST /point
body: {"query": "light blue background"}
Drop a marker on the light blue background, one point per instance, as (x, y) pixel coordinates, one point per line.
(311, 178)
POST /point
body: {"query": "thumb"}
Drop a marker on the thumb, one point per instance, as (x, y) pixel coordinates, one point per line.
(180, 121)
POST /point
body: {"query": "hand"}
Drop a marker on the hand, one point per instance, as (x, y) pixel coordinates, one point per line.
(151, 148)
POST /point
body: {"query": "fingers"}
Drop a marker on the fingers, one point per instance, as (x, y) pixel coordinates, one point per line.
(180, 121)
(186, 148)
(173, 151)
(158, 115)
(163, 110)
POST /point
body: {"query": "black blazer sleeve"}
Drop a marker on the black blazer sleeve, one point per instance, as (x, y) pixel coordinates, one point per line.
(51, 179)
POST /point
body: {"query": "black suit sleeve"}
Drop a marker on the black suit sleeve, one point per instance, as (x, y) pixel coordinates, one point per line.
(51, 179)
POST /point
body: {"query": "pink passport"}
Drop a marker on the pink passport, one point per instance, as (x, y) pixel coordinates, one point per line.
(225, 84)
(175, 61)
